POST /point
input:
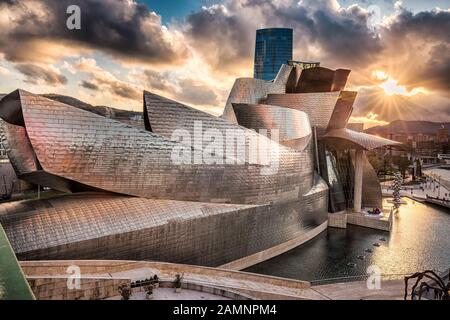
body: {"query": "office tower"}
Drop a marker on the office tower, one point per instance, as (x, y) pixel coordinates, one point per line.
(273, 48)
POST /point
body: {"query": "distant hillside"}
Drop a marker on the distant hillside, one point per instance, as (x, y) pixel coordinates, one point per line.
(409, 127)
(101, 110)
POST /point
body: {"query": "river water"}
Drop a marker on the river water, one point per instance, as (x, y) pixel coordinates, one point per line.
(420, 240)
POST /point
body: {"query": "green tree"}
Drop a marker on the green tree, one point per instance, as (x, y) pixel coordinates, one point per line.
(376, 162)
(381, 164)
(402, 163)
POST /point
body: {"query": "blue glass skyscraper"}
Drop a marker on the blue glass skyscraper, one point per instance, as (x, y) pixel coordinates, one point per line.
(273, 48)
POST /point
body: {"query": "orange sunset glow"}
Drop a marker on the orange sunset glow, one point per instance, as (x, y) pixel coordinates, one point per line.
(193, 56)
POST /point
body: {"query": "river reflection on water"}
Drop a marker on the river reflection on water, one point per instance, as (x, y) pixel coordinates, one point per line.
(420, 240)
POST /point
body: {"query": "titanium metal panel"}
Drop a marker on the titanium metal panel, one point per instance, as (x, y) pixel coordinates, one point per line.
(318, 106)
(96, 226)
(167, 117)
(320, 79)
(103, 215)
(371, 187)
(70, 149)
(348, 139)
(20, 152)
(294, 126)
(283, 75)
(164, 116)
(104, 154)
(342, 111)
(250, 90)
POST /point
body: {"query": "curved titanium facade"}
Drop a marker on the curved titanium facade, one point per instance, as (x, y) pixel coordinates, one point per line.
(120, 227)
(294, 126)
(318, 106)
(338, 170)
(371, 190)
(319, 79)
(198, 212)
(70, 149)
(19, 149)
(342, 110)
(250, 90)
(290, 79)
(108, 155)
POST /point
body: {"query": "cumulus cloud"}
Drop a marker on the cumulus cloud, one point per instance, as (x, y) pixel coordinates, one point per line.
(68, 67)
(122, 28)
(158, 81)
(335, 35)
(433, 25)
(369, 120)
(187, 90)
(225, 33)
(424, 39)
(36, 74)
(225, 39)
(101, 79)
(4, 71)
(89, 85)
(198, 94)
(124, 90)
(196, 60)
(436, 72)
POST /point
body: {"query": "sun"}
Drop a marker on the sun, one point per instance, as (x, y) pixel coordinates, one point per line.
(391, 86)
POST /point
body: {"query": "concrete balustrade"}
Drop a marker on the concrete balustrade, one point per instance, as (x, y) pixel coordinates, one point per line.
(100, 280)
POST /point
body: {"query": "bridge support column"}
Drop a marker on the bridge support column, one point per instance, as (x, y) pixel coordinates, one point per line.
(357, 192)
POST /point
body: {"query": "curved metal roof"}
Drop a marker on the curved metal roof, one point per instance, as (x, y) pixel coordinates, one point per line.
(293, 125)
(348, 139)
(71, 149)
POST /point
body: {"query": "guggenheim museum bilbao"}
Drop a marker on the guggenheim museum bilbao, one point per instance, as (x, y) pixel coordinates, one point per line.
(191, 187)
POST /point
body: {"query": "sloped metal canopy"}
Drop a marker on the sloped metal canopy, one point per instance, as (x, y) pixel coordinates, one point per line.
(348, 139)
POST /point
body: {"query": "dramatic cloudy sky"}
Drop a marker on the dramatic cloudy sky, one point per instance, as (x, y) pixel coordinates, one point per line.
(192, 50)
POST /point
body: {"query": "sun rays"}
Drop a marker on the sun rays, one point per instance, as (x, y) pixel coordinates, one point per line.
(391, 86)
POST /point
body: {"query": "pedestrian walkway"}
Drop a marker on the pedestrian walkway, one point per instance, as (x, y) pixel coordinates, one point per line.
(359, 290)
(434, 190)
